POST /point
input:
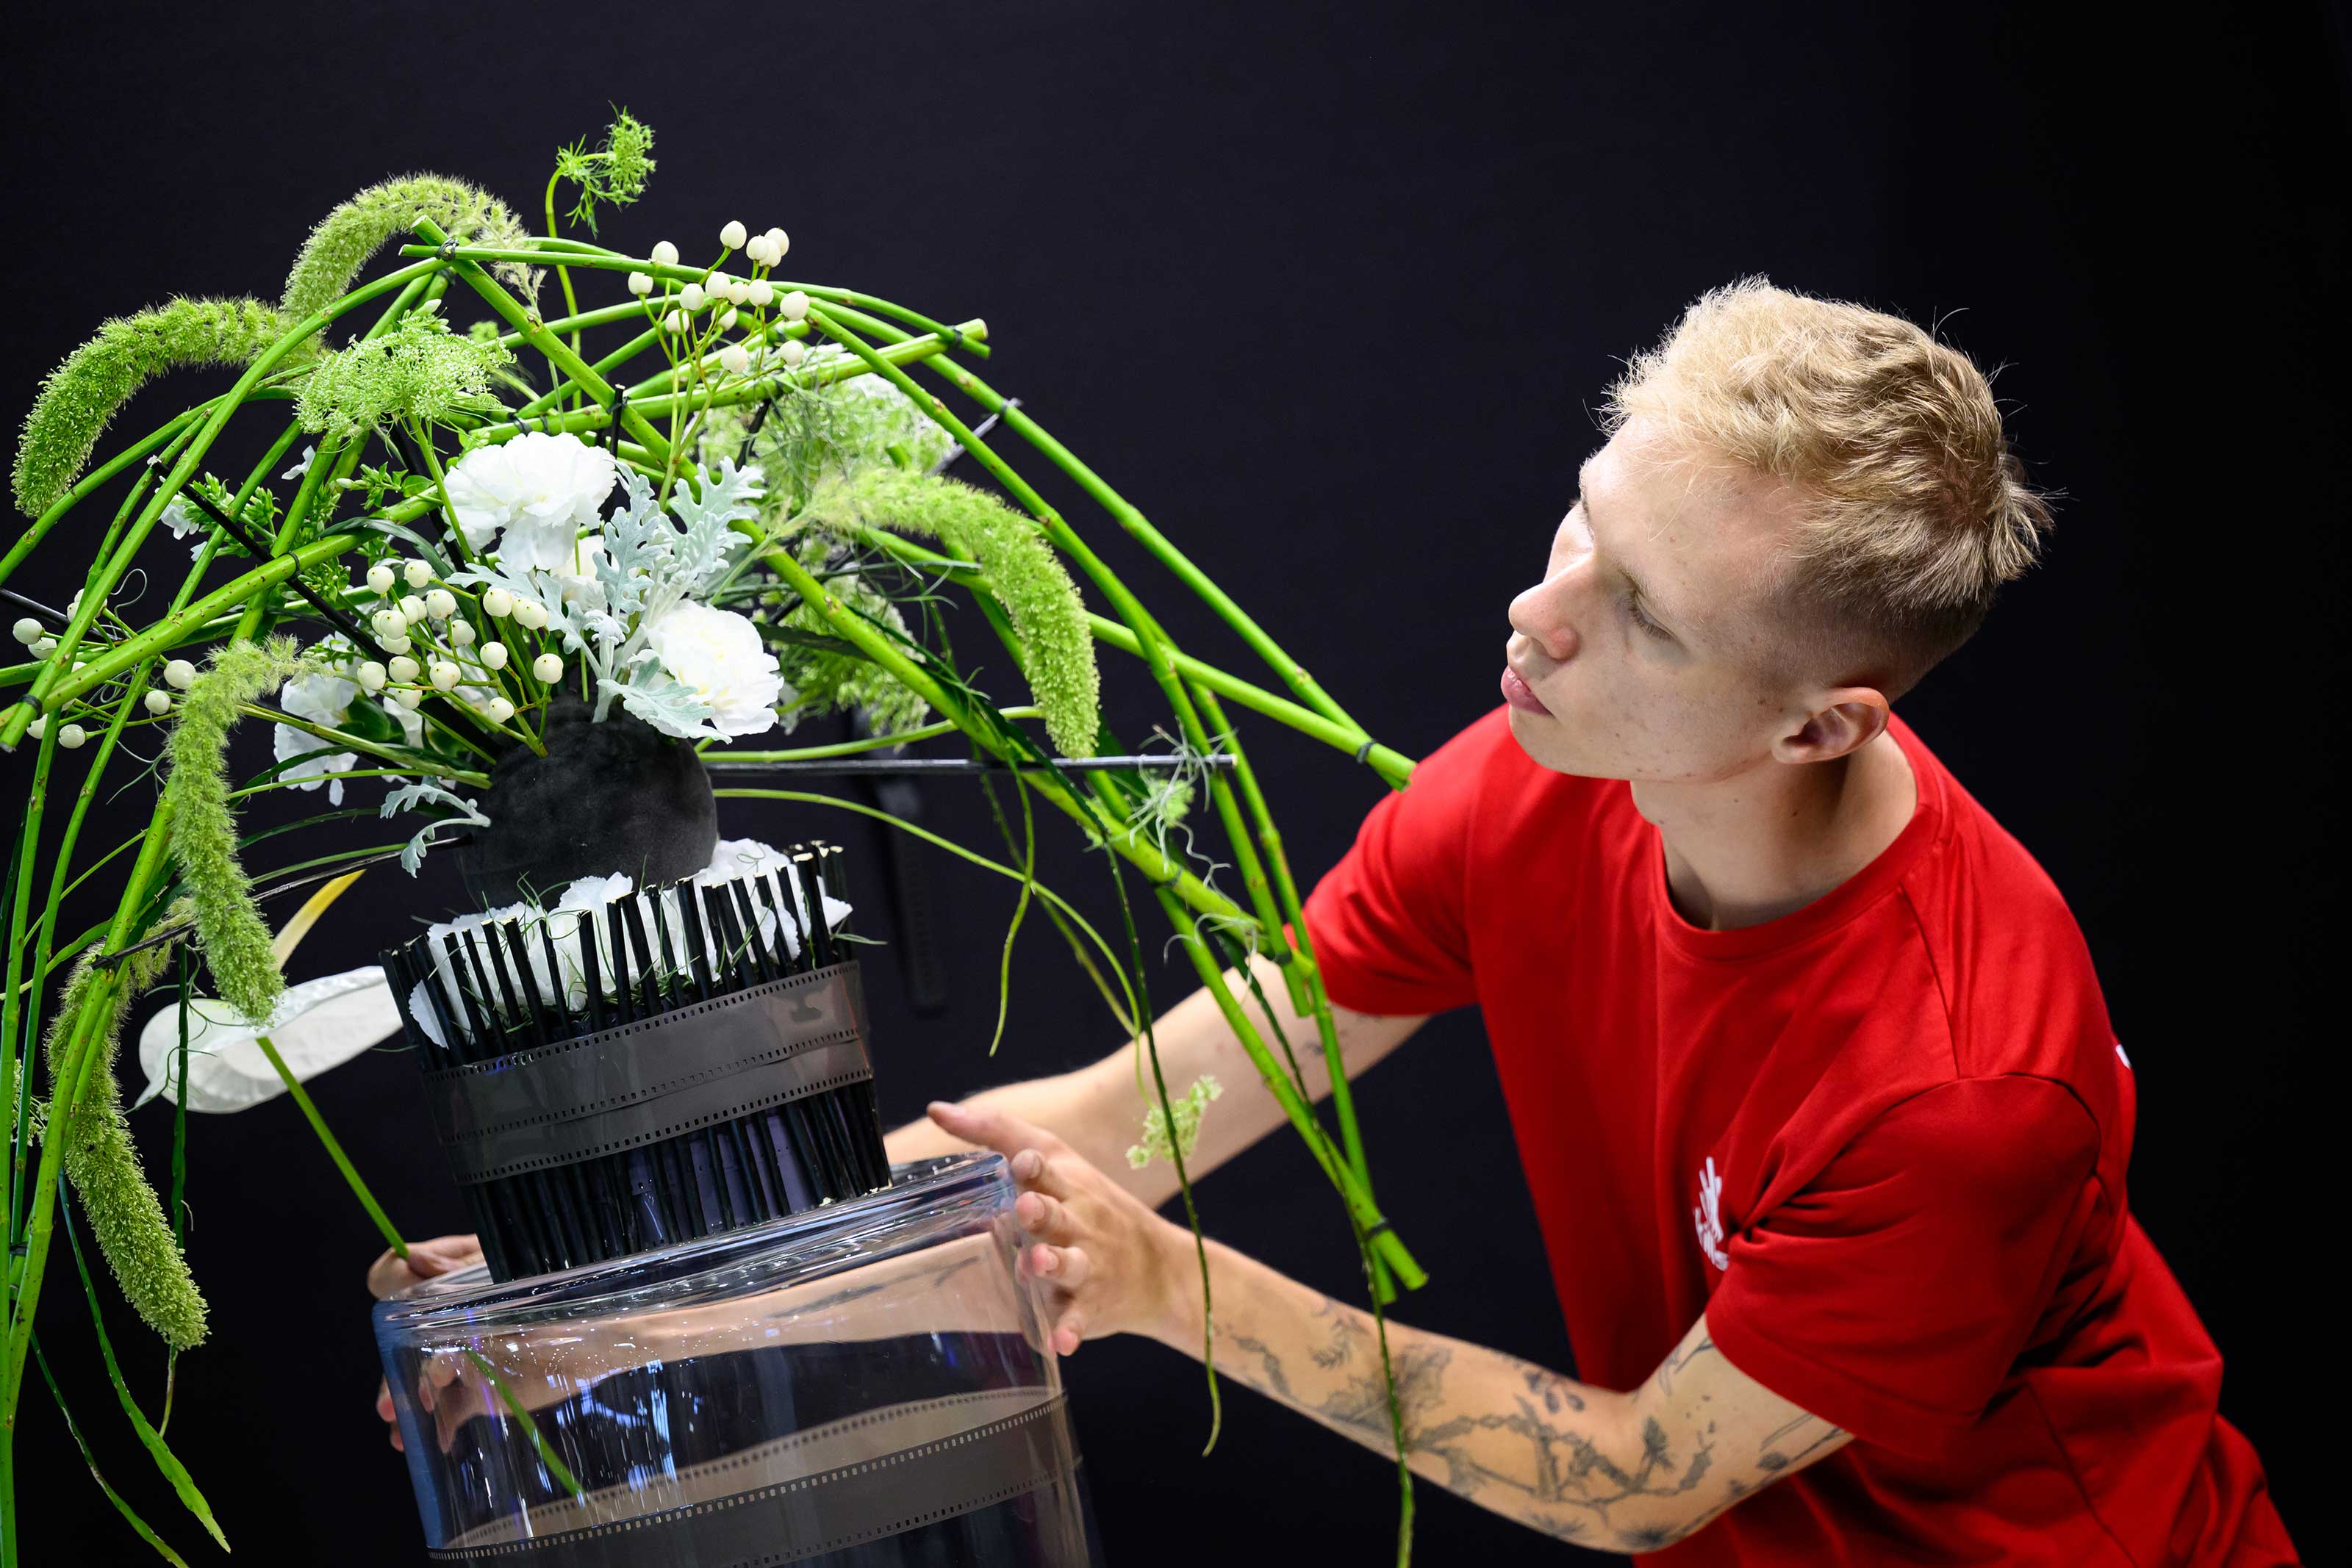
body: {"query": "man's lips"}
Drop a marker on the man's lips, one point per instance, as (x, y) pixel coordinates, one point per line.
(1517, 693)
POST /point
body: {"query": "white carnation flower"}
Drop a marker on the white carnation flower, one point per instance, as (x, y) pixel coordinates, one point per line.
(718, 656)
(540, 488)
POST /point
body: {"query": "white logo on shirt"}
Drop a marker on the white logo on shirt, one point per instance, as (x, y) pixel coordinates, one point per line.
(1708, 1216)
(2119, 1054)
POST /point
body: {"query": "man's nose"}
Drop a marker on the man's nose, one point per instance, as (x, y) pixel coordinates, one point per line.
(1541, 615)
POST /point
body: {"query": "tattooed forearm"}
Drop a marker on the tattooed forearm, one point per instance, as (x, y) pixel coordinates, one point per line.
(1626, 1471)
(1345, 1332)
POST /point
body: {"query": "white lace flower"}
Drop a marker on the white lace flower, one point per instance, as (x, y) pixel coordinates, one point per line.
(540, 488)
(718, 656)
(322, 699)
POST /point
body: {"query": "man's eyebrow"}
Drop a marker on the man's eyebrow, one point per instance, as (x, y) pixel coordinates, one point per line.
(1658, 611)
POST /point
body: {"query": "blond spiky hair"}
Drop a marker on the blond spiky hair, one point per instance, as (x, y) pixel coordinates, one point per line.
(1912, 508)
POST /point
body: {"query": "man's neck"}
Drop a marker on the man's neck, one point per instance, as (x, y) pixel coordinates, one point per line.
(1746, 850)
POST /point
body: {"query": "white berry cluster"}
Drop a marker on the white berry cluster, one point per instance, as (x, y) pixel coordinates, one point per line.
(699, 314)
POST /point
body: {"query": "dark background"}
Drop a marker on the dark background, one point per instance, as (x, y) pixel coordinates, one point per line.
(1330, 292)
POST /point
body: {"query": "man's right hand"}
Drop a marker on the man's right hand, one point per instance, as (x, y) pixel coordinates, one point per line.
(391, 1274)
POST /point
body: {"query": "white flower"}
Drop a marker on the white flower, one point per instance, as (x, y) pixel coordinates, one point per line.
(793, 352)
(691, 297)
(717, 654)
(795, 306)
(159, 703)
(539, 489)
(529, 615)
(302, 467)
(494, 655)
(318, 1024)
(175, 517)
(445, 674)
(461, 633)
(778, 242)
(27, 631)
(322, 699)
(497, 604)
(440, 604)
(762, 293)
(547, 668)
(499, 709)
(371, 677)
(403, 668)
(735, 359)
(45, 647)
(412, 608)
(417, 573)
(380, 577)
(71, 737)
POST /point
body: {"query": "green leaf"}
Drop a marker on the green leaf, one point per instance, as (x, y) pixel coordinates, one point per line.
(165, 1460)
(129, 1514)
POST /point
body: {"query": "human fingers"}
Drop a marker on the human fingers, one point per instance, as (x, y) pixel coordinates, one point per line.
(390, 1273)
(1045, 1219)
(1038, 1171)
(1070, 1332)
(989, 1128)
(1067, 1267)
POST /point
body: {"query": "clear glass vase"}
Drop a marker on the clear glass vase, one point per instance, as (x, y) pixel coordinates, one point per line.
(863, 1383)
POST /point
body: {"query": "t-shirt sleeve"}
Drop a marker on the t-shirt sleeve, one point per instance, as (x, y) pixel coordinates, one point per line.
(1388, 922)
(1892, 1294)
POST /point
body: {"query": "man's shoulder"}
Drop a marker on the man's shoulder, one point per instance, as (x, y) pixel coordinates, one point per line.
(2015, 972)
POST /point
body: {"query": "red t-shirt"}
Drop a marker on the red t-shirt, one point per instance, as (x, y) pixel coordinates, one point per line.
(1879, 1141)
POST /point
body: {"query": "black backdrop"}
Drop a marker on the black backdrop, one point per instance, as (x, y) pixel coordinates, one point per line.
(1331, 292)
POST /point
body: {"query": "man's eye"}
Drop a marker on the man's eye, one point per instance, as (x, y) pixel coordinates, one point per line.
(1641, 619)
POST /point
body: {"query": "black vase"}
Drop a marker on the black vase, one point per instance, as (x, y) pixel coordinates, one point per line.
(614, 796)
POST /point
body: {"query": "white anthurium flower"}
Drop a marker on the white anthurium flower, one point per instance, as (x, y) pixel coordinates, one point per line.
(322, 699)
(541, 489)
(718, 656)
(318, 1024)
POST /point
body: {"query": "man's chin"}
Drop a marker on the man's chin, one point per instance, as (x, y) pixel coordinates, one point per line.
(1545, 740)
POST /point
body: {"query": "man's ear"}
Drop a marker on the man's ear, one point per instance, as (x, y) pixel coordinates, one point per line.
(1845, 719)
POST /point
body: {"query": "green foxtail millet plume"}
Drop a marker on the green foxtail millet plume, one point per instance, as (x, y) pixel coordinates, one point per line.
(229, 927)
(346, 238)
(80, 397)
(419, 372)
(124, 1212)
(1039, 598)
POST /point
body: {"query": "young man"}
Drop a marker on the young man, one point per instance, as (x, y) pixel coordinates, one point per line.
(1823, 1118)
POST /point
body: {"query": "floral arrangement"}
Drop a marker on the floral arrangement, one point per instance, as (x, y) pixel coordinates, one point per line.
(729, 516)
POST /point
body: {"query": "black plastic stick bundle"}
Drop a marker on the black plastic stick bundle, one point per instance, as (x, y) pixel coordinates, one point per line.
(473, 996)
